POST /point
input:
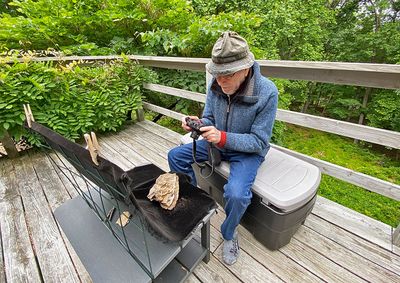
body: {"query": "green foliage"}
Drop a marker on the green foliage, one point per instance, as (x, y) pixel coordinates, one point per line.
(5, 8)
(197, 39)
(384, 112)
(205, 7)
(296, 28)
(60, 24)
(342, 107)
(85, 49)
(335, 101)
(70, 99)
(366, 31)
(203, 32)
(161, 42)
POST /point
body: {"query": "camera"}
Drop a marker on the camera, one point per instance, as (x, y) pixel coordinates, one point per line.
(195, 125)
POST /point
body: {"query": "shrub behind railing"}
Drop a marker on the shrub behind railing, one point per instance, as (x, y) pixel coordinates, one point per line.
(71, 99)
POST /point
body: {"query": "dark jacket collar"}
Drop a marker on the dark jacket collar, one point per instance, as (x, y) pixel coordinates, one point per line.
(243, 94)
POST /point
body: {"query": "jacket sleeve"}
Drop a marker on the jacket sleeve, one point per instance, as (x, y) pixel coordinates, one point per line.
(208, 116)
(261, 131)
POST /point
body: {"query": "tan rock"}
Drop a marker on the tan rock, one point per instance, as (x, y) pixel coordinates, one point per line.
(165, 190)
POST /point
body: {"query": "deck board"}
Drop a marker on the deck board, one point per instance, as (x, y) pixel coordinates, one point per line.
(359, 224)
(214, 271)
(291, 271)
(53, 258)
(192, 279)
(19, 258)
(2, 193)
(150, 153)
(317, 263)
(49, 180)
(396, 250)
(2, 269)
(64, 178)
(248, 269)
(312, 261)
(116, 148)
(364, 248)
(346, 258)
(335, 244)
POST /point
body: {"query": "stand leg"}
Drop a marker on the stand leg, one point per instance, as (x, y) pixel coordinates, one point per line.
(205, 240)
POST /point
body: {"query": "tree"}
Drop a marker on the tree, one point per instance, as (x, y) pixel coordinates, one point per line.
(366, 31)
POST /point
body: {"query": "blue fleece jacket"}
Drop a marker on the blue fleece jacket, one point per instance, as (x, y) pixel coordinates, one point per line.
(247, 116)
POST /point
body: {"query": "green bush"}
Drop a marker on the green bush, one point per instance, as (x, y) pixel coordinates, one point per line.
(71, 99)
(187, 80)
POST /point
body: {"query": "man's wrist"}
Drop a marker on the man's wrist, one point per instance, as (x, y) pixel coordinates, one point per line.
(222, 141)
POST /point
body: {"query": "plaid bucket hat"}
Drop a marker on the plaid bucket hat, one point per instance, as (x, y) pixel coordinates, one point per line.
(230, 54)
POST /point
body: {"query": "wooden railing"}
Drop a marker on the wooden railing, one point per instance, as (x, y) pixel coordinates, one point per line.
(369, 75)
(357, 74)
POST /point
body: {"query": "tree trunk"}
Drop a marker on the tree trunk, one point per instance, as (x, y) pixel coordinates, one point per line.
(363, 107)
(306, 104)
(349, 110)
(311, 87)
(326, 105)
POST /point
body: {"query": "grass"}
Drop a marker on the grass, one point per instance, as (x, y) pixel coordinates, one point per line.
(343, 152)
(166, 122)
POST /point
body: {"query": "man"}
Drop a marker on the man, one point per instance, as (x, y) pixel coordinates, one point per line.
(238, 118)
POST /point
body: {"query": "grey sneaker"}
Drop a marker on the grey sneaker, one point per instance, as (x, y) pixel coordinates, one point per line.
(230, 251)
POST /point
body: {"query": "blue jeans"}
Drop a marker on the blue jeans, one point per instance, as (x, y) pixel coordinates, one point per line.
(237, 192)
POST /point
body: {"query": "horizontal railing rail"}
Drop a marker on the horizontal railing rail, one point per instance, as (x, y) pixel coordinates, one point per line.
(357, 74)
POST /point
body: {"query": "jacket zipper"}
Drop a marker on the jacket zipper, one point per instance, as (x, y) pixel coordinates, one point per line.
(227, 113)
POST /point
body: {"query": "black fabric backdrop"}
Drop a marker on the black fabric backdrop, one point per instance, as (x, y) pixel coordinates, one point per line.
(133, 186)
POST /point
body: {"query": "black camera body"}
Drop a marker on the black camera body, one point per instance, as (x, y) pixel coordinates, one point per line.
(195, 125)
(214, 156)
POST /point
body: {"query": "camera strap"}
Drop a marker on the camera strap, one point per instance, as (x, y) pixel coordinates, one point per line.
(214, 158)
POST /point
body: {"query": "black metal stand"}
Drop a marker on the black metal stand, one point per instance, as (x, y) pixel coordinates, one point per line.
(107, 260)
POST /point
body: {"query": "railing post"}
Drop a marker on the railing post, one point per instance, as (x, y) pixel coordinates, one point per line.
(9, 146)
(208, 80)
(140, 115)
(396, 236)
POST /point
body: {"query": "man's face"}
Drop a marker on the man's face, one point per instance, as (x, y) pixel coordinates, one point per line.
(231, 83)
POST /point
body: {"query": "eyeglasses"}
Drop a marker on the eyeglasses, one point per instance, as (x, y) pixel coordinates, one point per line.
(229, 76)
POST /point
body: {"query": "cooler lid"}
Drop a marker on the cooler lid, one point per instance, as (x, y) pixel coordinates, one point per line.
(283, 180)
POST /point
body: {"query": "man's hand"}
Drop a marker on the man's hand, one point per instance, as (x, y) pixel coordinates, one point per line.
(211, 134)
(186, 127)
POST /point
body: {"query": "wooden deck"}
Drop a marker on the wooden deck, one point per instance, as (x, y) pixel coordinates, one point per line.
(336, 244)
